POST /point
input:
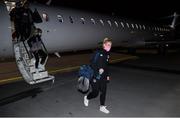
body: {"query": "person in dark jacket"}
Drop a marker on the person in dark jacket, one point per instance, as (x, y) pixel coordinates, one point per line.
(26, 21)
(99, 63)
(35, 44)
(15, 17)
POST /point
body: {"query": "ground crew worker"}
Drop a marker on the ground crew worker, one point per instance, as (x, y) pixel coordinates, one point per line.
(100, 67)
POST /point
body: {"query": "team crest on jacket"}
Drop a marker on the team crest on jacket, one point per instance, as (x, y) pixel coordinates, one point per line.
(107, 58)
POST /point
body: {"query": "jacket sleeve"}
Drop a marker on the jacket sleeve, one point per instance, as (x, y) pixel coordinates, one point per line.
(96, 62)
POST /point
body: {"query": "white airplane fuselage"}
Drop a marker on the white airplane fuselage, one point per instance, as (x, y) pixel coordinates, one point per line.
(86, 31)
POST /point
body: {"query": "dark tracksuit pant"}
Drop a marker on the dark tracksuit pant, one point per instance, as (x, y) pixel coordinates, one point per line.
(25, 31)
(37, 55)
(98, 86)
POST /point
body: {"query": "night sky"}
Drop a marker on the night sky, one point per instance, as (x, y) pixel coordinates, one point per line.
(134, 9)
(129, 8)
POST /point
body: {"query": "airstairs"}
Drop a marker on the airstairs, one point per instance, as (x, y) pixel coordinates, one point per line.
(26, 64)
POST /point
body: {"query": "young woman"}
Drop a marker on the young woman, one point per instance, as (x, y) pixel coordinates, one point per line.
(101, 75)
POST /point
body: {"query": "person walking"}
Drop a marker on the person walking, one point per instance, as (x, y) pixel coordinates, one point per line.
(101, 75)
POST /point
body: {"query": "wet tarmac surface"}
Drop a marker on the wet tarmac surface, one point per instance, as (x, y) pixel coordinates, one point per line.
(9, 71)
(131, 92)
(165, 63)
(144, 87)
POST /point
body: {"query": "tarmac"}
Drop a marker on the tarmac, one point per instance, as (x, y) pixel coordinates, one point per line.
(134, 91)
(67, 62)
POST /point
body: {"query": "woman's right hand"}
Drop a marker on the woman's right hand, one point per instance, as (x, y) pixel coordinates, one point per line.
(101, 70)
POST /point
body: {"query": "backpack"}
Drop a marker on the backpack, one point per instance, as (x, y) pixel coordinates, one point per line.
(86, 70)
(83, 85)
(85, 74)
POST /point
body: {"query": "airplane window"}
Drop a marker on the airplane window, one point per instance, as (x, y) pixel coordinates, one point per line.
(116, 23)
(136, 26)
(60, 19)
(153, 28)
(71, 19)
(101, 21)
(83, 20)
(127, 25)
(93, 21)
(149, 28)
(45, 17)
(122, 24)
(109, 22)
(140, 26)
(144, 27)
(132, 26)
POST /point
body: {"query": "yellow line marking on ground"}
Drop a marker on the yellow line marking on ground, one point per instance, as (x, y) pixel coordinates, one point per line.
(10, 80)
(123, 59)
(64, 69)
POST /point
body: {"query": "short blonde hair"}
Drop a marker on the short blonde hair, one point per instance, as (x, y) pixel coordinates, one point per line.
(107, 40)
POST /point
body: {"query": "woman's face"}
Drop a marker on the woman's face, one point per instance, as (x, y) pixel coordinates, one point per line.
(107, 46)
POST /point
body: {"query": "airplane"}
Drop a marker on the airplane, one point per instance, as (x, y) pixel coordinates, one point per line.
(66, 29)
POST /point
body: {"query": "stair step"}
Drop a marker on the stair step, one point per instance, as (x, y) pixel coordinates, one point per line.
(48, 78)
(40, 75)
(26, 56)
(32, 69)
(27, 68)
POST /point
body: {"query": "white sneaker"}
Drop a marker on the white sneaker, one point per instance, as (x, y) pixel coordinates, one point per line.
(104, 110)
(41, 67)
(86, 101)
